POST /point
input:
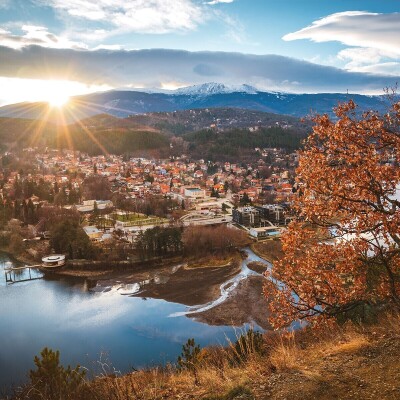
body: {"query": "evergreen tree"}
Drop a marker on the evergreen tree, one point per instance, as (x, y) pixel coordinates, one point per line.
(51, 380)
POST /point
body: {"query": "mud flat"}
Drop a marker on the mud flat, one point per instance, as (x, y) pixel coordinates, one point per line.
(257, 267)
(191, 286)
(179, 283)
(245, 305)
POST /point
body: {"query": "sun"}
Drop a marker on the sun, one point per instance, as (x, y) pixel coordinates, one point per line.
(58, 100)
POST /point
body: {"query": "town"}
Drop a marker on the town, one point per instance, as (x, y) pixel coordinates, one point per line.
(115, 199)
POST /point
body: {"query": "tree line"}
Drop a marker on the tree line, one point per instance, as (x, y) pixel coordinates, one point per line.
(191, 241)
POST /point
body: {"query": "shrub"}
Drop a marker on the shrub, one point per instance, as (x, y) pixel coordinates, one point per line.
(249, 343)
(190, 357)
(51, 380)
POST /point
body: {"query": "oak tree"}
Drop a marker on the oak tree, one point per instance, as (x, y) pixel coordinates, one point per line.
(343, 250)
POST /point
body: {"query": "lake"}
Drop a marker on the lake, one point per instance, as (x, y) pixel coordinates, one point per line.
(90, 328)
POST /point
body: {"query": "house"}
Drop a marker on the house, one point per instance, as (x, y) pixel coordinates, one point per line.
(199, 174)
(265, 232)
(94, 233)
(208, 206)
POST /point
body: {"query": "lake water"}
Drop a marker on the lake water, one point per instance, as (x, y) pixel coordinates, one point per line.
(88, 327)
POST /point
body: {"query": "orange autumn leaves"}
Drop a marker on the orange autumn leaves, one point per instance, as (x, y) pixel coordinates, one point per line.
(344, 249)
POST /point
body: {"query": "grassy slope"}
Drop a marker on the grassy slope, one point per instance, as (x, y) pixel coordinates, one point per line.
(348, 362)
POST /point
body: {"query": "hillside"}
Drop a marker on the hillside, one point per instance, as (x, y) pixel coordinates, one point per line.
(17, 133)
(73, 111)
(122, 103)
(347, 362)
(211, 133)
(180, 122)
(237, 144)
(185, 121)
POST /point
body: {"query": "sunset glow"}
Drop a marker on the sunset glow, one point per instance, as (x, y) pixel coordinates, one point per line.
(55, 92)
(58, 100)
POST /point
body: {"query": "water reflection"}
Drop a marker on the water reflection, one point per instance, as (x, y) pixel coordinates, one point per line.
(72, 316)
(131, 289)
(229, 286)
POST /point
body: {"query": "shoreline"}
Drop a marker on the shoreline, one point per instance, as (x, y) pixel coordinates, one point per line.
(174, 288)
(185, 280)
(93, 269)
(16, 257)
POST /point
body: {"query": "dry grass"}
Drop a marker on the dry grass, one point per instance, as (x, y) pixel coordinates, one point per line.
(211, 379)
(285, 353)
(270, 250)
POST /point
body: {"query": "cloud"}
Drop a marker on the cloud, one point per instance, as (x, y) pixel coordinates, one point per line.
(355, 28)
(373, 37)
(155, 68)
(88, 23)
(366, 59)
(36, 35)
(361, 55)
(235, 30)
(121, 16)
(383, 68)
(213, 2)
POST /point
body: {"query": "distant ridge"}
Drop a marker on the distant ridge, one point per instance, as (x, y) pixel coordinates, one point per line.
(122, 103)
(207, 89)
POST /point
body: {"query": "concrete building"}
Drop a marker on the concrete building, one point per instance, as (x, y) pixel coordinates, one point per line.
(88, 205)
(246, 216)
(194, 193)
(273, 212)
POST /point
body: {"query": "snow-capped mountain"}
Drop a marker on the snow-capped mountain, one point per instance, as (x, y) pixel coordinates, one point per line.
(122, 103)
(211, 88)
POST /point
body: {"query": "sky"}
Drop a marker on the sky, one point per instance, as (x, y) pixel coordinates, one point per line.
(52, 49)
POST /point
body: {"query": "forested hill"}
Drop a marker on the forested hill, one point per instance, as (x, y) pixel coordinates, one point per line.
(240, 144)
(17, 133)
(180, 122)
(215, 134)
(23, 132)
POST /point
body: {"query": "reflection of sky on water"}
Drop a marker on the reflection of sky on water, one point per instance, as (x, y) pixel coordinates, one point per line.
(64, 315)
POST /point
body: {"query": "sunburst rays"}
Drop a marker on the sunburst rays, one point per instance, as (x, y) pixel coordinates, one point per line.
(60, 124)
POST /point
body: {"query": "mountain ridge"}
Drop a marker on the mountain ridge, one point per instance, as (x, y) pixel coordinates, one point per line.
(123, 103)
